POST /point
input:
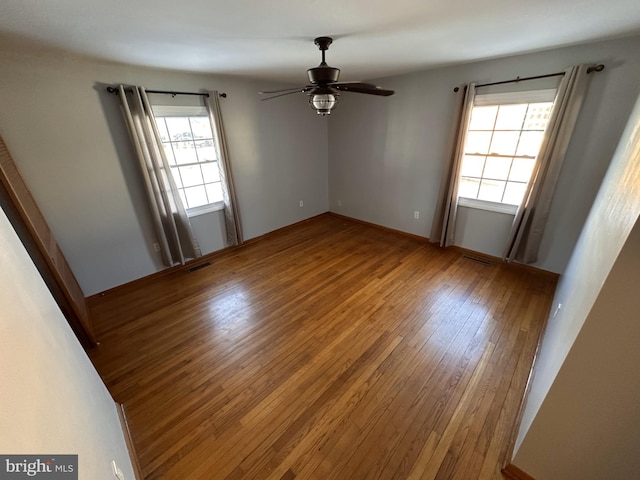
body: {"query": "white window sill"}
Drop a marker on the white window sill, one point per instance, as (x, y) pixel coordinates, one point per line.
(489, 206)
(204, 209)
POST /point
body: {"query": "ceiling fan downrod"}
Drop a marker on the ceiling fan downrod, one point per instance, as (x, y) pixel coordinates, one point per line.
(323, 44)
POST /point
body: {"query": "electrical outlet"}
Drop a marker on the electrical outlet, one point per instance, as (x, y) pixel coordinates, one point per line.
(339, 203)
(117, 473)
(156, 247)
(416, 214)
(301, 203)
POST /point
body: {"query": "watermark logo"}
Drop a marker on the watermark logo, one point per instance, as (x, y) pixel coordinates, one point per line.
(43, 467)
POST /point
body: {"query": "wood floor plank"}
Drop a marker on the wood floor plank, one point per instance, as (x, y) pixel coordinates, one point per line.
(327, 350)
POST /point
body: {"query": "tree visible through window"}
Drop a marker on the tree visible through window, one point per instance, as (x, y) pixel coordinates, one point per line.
(189, 146)
(500, 150)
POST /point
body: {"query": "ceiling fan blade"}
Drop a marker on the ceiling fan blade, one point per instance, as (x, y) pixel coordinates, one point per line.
(299, 90)
(359, 87)
(283, 90)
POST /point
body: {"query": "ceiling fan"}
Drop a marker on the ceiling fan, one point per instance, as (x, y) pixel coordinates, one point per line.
(325, 89)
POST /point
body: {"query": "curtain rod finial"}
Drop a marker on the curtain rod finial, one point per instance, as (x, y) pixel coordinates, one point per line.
(597, 68)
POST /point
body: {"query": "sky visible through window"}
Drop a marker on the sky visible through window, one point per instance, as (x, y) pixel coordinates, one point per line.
(500, 151)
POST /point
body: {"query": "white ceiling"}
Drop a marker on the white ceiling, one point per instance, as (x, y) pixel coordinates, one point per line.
(274, 39)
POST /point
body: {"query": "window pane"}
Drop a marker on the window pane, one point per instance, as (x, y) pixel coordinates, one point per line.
(521, 169)
(501, 146)
(196, 196)
(168, 151)
(491, 190)
(477, 142)
(207, 152)
(210, 172)
(468, 187)
(497, 168)
(511, 117)
(201, 127)
(191, 175)
(530, 143)
(472, 166)
(538, 116)
(204, 143)
(185, 152)
(179, 128)
(190, 150)
(162, 129)
(514, 192)
(504, 143)
(483, 118)
(214, 192)
(176, 177)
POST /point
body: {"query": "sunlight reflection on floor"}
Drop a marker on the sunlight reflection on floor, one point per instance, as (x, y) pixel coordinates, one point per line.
(230, 310)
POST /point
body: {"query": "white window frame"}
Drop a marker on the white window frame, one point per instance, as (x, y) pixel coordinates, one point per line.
(487, 205)
(190, 111)
(497, 99)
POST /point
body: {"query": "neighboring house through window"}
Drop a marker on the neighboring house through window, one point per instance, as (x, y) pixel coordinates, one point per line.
(188, 142)
(503, 139)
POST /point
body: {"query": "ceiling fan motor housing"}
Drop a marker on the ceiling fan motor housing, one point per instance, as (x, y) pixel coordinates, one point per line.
(323, 74)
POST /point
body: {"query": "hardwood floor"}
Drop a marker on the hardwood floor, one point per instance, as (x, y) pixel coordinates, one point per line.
(330, 350)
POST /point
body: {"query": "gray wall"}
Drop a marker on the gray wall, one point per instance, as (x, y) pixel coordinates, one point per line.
(386, 155)
(582, 412)
(68, 138)
(52, 399)
(587, 426)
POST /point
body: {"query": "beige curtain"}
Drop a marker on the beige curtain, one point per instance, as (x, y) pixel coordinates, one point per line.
(530, 220)
(231, 212)
(444, 217)
(176, 239)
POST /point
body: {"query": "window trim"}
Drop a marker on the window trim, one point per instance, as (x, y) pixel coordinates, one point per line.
(506, 208)
(179, 110)
(204, 209)
(514, 98)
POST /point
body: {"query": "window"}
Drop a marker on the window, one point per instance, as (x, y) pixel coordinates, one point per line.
(502, 142)
(188, 142)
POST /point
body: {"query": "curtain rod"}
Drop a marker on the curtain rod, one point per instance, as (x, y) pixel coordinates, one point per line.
(597, 68)
(168, 92)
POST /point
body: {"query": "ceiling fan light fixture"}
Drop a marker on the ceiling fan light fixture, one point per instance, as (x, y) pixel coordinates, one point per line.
(323, 103)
